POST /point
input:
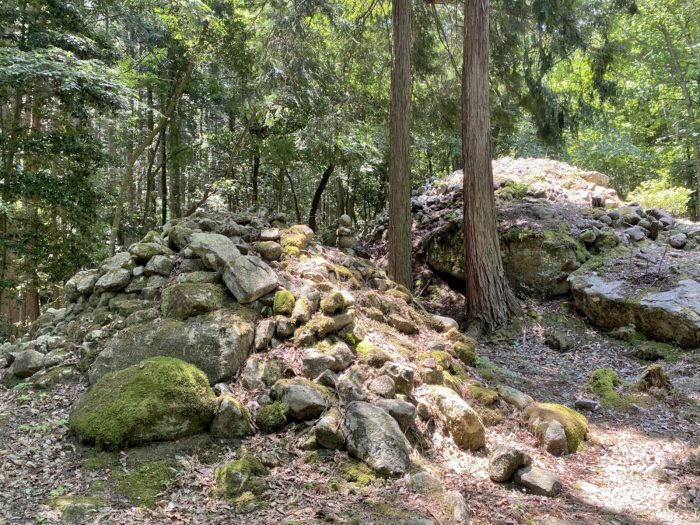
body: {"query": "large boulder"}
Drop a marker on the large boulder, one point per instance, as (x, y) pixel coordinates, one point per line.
(217, 343)
(160, 399)
(249, 278)
(214, 249)
(461, 421)
(184, 300)
(610, 291)
(373, 436)
(560, 429)
(538, 256)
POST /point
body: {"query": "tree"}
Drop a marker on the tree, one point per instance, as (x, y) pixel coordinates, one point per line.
(400, 247)
(489, 299)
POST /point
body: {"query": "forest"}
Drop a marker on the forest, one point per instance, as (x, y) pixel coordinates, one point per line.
(350, 261)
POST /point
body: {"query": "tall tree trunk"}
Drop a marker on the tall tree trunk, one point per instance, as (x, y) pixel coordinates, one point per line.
(400, 247)
(489, 299)
(175, 172)
(294, 196)
(150, 202)
(254, 178)
(317, 195)
(689, 111)
(129, 174)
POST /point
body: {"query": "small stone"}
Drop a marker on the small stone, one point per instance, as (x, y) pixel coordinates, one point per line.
(231, 420)
(264, 331)
(623, 333)
(456, 508)
(270, 234)
(514, 397)
(537, 481)
(504, 461)
(333, 303)
(27, 363)
(383, 386)
(402, 411)
(587, 236)
(554, 438)
(160, 265)
(425, 483)
(558, 340)
(635, 233)
(402, 324)
(270, 250)
(303, 399)
(678, 241)
(586, 404)
(329, 431)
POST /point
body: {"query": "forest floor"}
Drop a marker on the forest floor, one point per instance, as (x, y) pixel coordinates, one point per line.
(641, 465)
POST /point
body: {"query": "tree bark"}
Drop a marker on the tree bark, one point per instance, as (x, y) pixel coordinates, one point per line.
(689, 110)
(400, 222)
(317, 195)
(489, 300)
(254, 178)
(294, 196)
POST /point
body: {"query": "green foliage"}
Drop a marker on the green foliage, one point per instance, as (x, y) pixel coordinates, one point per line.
(272, 417)
(143, 485)
(659, 194)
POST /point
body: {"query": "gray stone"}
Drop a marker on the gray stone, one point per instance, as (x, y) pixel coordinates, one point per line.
(402, 411)
(383, 386)
(113, 280)
(27, 363)
(425, 483)
(231, 420)
(82, 283)
(349, 385)
(264, 331)
(270, 250)
(444, 324)
(329, 430)
(160, 265)
(678, 241)
(326, 355)
(214, 249)
(554, 438)
(258, 374)
(248, 278)
(504, 461)
(461, 421)
(144, 251)
(270, 234)
(374, 437)
(456, 508)
(181, 301)
(218, 345)
(199, 277)
(636, 233)
(120, 261)
(514, 397)
(537, 481)
(403, 376)
(345, 221)
(303, 399)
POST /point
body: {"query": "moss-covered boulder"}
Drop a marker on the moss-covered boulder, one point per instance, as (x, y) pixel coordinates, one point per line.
(604, 382)
(539, 417)
(238, 477)
(284, 302)
(371, 354)
(232, 419)
(302, 398)
(184, 300)
(333, 303)
(160, 399)
(271, 418)
(78, 509)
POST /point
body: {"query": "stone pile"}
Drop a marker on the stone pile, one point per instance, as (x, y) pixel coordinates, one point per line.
(345, 236)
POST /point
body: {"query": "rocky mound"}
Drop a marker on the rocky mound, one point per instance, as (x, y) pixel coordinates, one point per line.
(233, 325)
(625, 266)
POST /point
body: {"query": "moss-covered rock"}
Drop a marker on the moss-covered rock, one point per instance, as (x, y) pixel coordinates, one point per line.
(371, 354)
(603, 383)
(483, 395)
(333, 303)
(77, 509)
(160, 399)
(284, 302)
(232, 419)
(575, 424)
(142, 485)
(184, 300)
(272, 417)
(465, 351)
(356, 472)
(238, 477)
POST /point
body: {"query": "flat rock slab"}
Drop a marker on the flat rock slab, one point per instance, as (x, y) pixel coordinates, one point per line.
(658, 297)
(537, 481)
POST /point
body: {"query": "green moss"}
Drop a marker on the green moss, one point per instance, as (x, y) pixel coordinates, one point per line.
(143, 485)
(247, 502)
(575, 424)
(653, 351)
(465, 351)
(333, 303)
(483, 395)
(272, 417)
(451, 381)
(74, 509)
(357, 472)
(284, 303)
(161, 398)
(321, 325)
(291, 251)
(238, 477)
(399, 294)
(603, 383)
(281, 384)
(489, 417)
(296, 240)
(99, 461)
(441, 357)
(371, 354)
